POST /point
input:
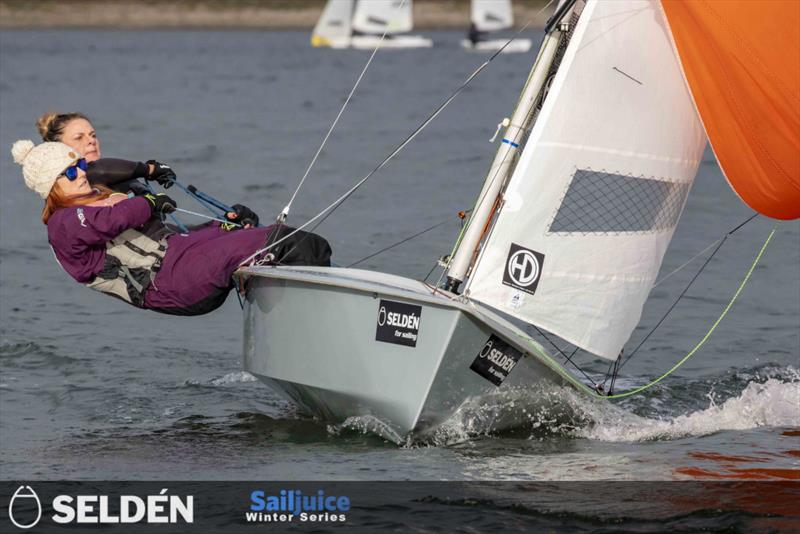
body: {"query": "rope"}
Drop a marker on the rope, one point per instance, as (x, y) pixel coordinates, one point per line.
(381, 251)
(182, 227)
(719, 242)
(663, 317)
(581, 386)
(204, 216)
(285, 212)
(617, 364)
(568, 358)
(425, 280)
(710, 331)
(690, 260)
(326, 212)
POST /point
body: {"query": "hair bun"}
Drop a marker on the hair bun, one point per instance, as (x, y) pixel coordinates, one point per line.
(21, 149)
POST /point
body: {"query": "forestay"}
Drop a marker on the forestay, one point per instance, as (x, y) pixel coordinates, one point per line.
(593, 202)
(491, 15)
(377, 16)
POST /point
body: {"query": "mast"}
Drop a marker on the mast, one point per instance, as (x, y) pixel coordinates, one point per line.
(506, 155)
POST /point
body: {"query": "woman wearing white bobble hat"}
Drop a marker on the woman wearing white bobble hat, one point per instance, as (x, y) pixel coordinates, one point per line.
(76, 130)
(120, 246)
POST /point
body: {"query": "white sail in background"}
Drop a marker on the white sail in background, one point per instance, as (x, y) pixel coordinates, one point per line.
(333, 25)
(593, 203)
(492, 15)
(377, 16)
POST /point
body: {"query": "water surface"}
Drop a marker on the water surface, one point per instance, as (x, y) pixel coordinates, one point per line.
(93, 389)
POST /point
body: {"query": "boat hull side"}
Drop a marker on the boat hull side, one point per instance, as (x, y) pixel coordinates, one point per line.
(312, 337)
(317, 344)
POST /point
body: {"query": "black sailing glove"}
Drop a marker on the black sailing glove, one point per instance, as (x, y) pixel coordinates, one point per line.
(241, 215)
(161, 173)
(160, 203)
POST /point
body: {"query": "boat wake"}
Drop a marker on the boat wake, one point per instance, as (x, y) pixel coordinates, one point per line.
(750, 399)
(774, 403)
(229, 379)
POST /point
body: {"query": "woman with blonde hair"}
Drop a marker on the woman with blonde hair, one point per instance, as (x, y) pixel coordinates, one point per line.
(120, 246)
(76, 130)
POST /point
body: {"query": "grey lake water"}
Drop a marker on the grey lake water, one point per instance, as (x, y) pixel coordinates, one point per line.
(93, 389)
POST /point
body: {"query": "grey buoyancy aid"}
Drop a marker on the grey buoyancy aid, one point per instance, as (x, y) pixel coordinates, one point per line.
(133, 259)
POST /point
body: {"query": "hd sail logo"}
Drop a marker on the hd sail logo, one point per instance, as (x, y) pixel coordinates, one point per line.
(523, 268)
(398, 323)
(25, 509)
(289, 506)
(496, 360)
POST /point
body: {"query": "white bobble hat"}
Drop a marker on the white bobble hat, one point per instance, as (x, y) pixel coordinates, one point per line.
(43, 164)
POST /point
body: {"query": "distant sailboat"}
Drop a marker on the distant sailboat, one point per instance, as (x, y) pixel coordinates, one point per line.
(491, 16)
(361, 24)
(571, 225)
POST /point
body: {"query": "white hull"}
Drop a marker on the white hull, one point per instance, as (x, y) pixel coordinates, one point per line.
(313, 335)
(370, 42)
(515, 46)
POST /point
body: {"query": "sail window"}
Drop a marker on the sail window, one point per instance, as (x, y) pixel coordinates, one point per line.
(608, 203)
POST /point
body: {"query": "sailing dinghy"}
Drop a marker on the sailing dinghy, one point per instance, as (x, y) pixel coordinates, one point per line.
(569, 229)
(361, 24)
(493, 16)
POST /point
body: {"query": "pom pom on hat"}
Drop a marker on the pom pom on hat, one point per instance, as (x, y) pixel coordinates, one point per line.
(42, 164)
(21, 149)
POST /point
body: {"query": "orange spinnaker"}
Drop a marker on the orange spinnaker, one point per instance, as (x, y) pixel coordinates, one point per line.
(742, 61)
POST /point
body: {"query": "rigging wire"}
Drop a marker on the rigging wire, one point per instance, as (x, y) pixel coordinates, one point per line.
(409, 238)
(589, 391)
(719, 245)
(710, 331)
(425, 280)
(568, 358)
(690, 260)
(616, 365)
(326, 212)
(282, 217)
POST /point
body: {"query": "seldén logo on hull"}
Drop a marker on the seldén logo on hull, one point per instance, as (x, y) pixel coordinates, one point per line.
(398, 323)
(495, 360)
(25, 509)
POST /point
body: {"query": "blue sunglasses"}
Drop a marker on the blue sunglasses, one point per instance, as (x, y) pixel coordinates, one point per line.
(72, 171)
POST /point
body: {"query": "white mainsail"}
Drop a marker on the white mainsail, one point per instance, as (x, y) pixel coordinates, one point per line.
(377, 16)
(593, 202)
(491, 15)
(334, 24)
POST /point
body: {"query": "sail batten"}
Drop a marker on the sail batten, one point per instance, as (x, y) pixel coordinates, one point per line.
(591, 207)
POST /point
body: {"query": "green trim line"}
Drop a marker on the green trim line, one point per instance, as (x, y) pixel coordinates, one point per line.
(589, 391)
